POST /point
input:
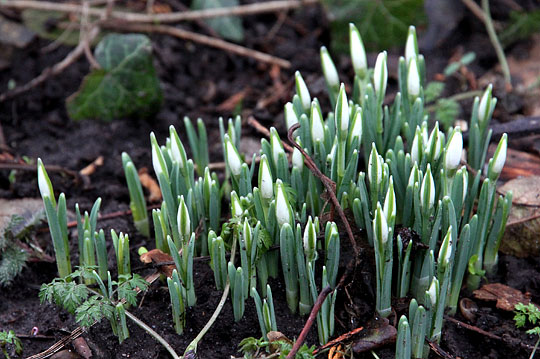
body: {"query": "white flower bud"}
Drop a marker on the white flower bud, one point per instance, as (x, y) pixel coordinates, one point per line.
(266, 184)
(183, 220)
(465, 178)
(329, 69)
(380, 225)
(446, 248)
(317, 124)
(484, 107)
(411, 46)
(390, 201)
(283, 214)
(302, 91)
(342, 110)
(427, 190)
(415, 149)
(178, 153)
(297, 159)
(310, 239)
(414, 177)
(413, 79)
(233, 158)
(500, 155)
(380, 75)
(236, 206)
(453, 150)
(290, 116)
(275, 143)
(44, 183)
(158, 161)
(356, 130)
(358, 52)
(375, 166)
(436, 137)
(433, 291)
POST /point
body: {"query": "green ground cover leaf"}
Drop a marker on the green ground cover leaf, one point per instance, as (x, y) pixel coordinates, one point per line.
(126, 85)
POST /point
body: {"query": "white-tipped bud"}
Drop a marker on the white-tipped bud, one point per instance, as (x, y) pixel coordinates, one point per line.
(283, 208)
(266, 183)
(413, 79)
(356, 130)
(414, 177)
(183, 220)
(297, 159)
(358, 52)
(375, 166)
(446, 248)
(380, 75)
(178, 152)
(276, 145)
(433, 291)
(427, 191)
(380, 226)
(484, 108)
(329, 69)
(435, 136)
(233, 157)
(465, 178)
(390, 201)
(290, 116)
(44, 183)
(453, 150)
(317, 124)
(342, 111)
(499, 158)
(411, 46)
(236, 206)
(158, 161)
(302, 91)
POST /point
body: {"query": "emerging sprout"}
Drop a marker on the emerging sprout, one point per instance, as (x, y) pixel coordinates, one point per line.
(427, 191)
(380, 226)
(380, 75)
(433, 291)
(184, 222)
(499, 158)
(266, 184)
(283, 208)
(484, 108)
(329, 69)
(413, 79)
(233, 157)
(375, 166)
(290, 116)
(44, 183)
(358, 53)
(411, 46)
(453, 150)
(317, 124)
(302, 91)
(446, 249)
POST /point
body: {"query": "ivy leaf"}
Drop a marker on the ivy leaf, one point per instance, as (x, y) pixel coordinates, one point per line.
(126, 85)
(229, 27)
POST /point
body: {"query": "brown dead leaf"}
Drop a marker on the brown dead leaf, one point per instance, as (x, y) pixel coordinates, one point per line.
(157, 257)
(377, 335)
(505, 296)
(150, 184)
(92, 167)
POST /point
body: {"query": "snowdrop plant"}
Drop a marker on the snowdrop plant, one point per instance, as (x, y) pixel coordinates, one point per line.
(137, 202)
(265, 311)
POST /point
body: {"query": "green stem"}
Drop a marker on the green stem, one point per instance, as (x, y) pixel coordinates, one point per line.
(496, 43)
(535, 347)
(153, 333)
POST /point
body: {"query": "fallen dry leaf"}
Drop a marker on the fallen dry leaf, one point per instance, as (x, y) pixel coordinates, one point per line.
(505, 296)
(157, 257)
(91, 168)
(379, 334)
(150, 184)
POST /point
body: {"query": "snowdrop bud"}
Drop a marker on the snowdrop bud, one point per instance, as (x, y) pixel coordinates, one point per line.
(380, 226)
(433, 291)
(233, 158)
(413, 79)
(44, 183)
(465, 178)
(283, 208)
(435, 142)
(390, 201)
(158, 161)
(329, 69)
(310, 240)
(453, 150)
(499, 158)
(302, 91)
(236, 206)
(297, 159)
(358, 53)
(415, 149)
(356, 130)
(375, 166)
(485, 105)
(275, 143)
(266, 184)
(446, 248)
(290, 116)
(184, 222)
(411, 46)
(380, 75)
(342, 111)
(317, 124)
(178, 152)
(414, 177)
(427, 191)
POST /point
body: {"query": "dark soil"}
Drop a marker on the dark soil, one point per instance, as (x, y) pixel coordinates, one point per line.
(196, 80)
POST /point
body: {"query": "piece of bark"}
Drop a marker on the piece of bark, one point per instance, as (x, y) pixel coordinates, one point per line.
(505, 296)
(157, 256)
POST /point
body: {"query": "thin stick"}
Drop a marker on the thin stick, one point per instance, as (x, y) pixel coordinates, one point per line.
(309, 322)
(475, 9)
(199, 38)
(263, 130)
(328, 184)
(497, 45)
(154, 334)
(51, 71)
(522, 220)
(241, 10)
